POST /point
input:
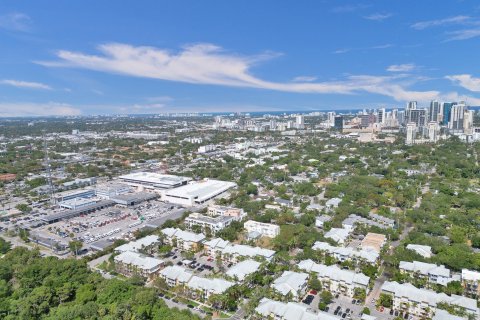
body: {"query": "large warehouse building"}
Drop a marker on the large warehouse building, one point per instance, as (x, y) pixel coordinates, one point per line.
(197, 192)
(154, 181)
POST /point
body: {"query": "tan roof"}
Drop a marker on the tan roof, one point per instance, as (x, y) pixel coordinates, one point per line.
(374, 240)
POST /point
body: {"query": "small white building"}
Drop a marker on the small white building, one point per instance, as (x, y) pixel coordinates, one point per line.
(320, 220)
(208, 224)
(243, 269)
(294, 283)
(424, 251)
(339, 235)
(265, 229)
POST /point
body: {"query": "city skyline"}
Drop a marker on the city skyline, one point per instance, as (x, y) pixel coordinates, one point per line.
(80, 59)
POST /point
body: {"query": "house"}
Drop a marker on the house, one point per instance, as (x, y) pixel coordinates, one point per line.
(203, 288)
(265, 229)
(294, 283)
(424, 251)
(145, 244)
(284, 203)
(184, 240)
(342, 254)
(243, 269)
(422, 302)
(132, 263)
(175, 275)
(339, 235)
(471, 282)
(320, 220)
(336, 280)
(208, 225)
(431, 272)
(333, 203)
(271, 309)
(386, 222)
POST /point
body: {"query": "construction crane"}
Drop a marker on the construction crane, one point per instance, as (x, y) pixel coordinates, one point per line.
(48, 169)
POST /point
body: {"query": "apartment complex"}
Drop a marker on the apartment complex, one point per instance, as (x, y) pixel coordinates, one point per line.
(264, 229)
(132, 263)
(433, 273)
(184, 240)
(236, 213)
(342, 254)
(208, 225)
(230, 252)
(291, 283)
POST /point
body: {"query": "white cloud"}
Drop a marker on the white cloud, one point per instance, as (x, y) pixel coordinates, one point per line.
(406, 67)
(25, 84)
(29, 109)
(466, 81)
(463, 34)
(15, 22)
(209, 64)
(378, 16)
(461, 19)
(304, 79)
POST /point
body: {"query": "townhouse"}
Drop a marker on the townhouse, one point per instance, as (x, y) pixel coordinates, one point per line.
(336, 280)
(339, 235)
(147, 244)
(424, 251)
(423, 303)
(184, 240)
(132, 263)
(175, 275)
(243, 269)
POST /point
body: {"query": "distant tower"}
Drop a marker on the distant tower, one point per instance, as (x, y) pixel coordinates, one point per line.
(411, 128)
(433, 130)
(48, 169)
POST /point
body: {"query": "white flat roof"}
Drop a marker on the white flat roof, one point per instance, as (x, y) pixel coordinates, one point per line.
(201, 190)
(155, 178)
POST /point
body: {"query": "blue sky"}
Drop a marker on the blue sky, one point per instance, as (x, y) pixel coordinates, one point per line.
(104, 57)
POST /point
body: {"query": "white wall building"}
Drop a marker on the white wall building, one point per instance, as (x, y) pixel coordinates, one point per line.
(197, 192)
(265, 229)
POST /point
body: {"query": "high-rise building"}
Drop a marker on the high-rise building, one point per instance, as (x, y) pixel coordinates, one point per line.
(457, 113)
(411, 130)
(381, 115)
(434, 111)
(433, 131)
(412, 105)
(418, 116)
(331, 118)
(338, 123)
(300, 121)
(468, 122)
(447, 109)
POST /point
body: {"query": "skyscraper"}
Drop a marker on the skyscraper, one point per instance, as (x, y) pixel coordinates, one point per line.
(434, 111)
(447, 108)
(411, 128)
(381, 115)
(433, 131)
(457, 113)
(300, 121)
(338, 124)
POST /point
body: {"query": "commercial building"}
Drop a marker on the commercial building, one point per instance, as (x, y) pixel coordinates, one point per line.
(73, 194)
(76, 203)
(422, 302)
(265, 229)
(197, 192)
(233, 252)
(109, 190)
(429, 271)
(207, 225)
(184, 240)
(336, 280)
(154, 181)
(131, 263)
(77, 212)
(271, 309)
(132, 199)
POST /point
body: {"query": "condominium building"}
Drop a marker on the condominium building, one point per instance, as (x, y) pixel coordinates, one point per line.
(132, 263)
(243, 269)
(336, 280)
(431, 272)
(342, 254)
(424, 251)
(265, 229)
(208, 224)
(422, 302)
(339, 235)
(215, 210)
(175, 275)
(230, 252)
(183, 240)
(291, 283)
(145, 244)
(471, 282)
(271, 309)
